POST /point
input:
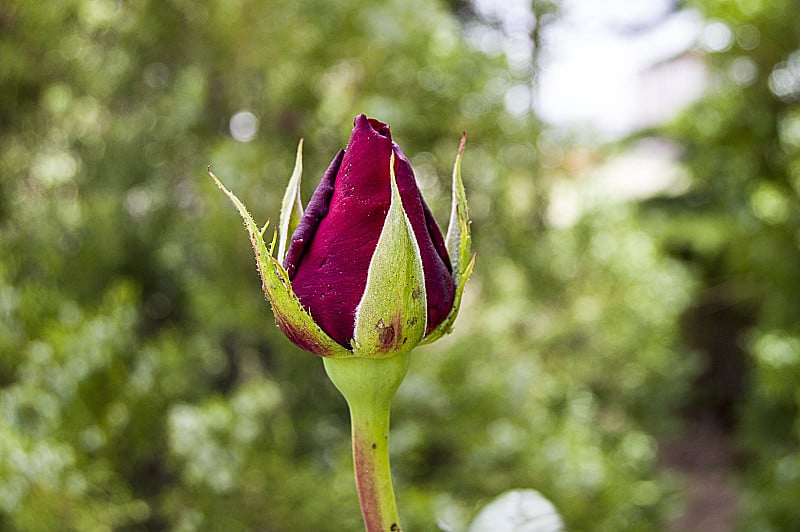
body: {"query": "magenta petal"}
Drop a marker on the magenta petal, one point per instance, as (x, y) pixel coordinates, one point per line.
(316, 210)
(332, 247)
(331, 274)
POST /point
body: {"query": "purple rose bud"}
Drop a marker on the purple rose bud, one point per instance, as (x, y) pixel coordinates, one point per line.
(366, 272)
(329, 255)
(365, 277)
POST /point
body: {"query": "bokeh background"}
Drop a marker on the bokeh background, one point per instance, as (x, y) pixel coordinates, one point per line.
(629, 344)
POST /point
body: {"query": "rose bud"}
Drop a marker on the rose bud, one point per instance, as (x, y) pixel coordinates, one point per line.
(366, 272)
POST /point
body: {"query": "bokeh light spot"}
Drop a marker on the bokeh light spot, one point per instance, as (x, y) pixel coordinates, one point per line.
(244, 126)
(716, 37)
(518, 100)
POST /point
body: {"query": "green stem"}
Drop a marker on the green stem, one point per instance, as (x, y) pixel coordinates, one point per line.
(368, 385)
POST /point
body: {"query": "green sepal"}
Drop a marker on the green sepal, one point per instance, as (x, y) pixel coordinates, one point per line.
(392, 314)
(459, 244)
(291, 206)
(291, 317)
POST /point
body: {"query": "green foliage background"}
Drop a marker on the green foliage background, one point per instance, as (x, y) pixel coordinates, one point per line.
(739, 224)
(144, 384)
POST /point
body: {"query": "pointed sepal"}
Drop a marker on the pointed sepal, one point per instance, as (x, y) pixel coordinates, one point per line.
(291, 317)
(459, 244)
(391, 316)
(291, 206)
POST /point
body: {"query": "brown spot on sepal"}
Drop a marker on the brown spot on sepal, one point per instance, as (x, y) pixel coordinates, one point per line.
(390, 336)
(386, 335)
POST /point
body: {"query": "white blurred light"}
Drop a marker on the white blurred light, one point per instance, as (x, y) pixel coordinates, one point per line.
(716, 37)
(597, 77)
(647, 169)
(518, 100)
(519, 51)
(54, 168)
(138, 202)
(784, 81)
(487, 40)
(244, 126)
(616, 13)
(744, 71)
(514, 15)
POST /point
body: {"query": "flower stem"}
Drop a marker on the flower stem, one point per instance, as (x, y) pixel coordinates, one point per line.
(368, 385)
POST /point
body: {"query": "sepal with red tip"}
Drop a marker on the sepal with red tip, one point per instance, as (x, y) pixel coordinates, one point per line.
(294, 320)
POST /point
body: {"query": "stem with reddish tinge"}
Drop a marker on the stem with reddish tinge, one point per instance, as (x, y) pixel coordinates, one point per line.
(370, 429)
(369, 385)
